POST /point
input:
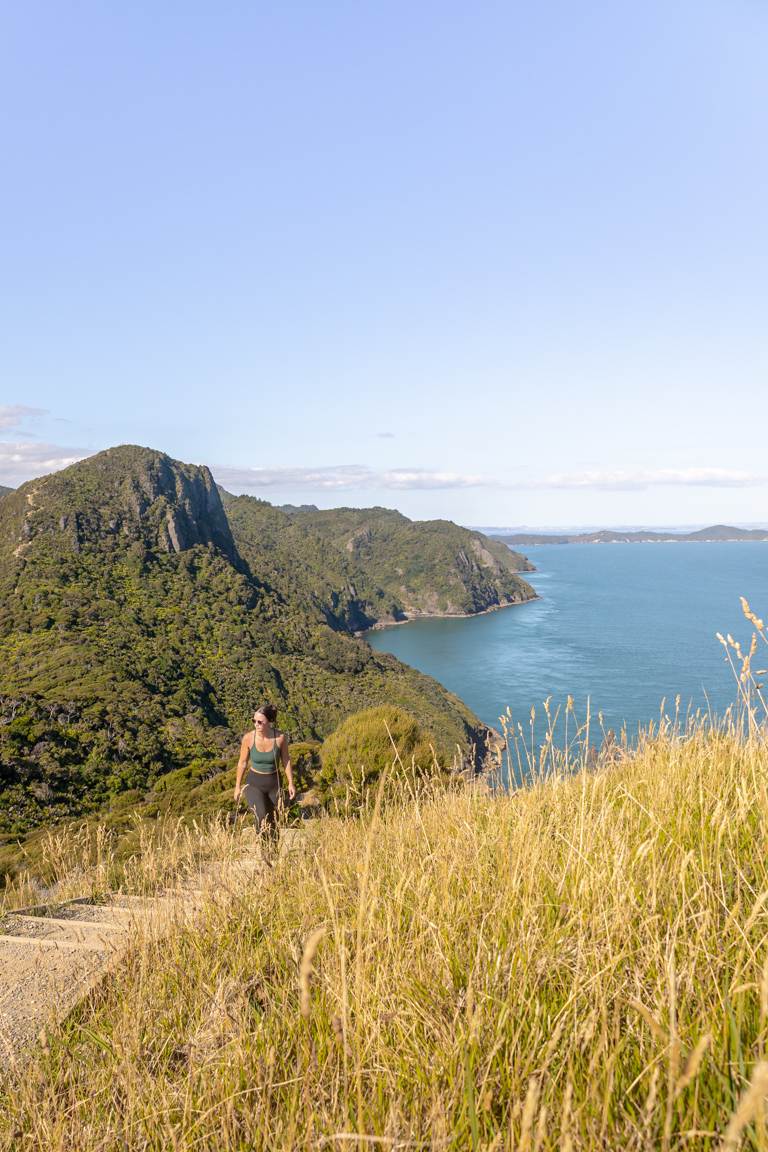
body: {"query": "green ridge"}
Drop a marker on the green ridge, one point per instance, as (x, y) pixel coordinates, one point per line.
(428, 567)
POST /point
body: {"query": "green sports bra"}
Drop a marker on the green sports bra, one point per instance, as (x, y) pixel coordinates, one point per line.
(264, 762)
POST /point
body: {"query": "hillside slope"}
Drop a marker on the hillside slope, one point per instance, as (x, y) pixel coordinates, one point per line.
(427, 567)
(579, 965)
(135, 639)
(307, 567)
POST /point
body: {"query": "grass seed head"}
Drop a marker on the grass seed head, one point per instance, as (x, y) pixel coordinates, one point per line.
(306, 969)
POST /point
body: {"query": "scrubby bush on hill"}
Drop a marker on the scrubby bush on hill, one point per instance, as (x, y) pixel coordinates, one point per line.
(366, 744)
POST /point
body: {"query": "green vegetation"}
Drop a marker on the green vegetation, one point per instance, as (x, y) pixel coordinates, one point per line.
(364, 746)
(432, 567)
(140, 621)
(307, 570)
(356, 567)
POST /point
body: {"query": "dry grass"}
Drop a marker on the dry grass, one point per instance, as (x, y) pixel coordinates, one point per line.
(580, 965)
(92, 860)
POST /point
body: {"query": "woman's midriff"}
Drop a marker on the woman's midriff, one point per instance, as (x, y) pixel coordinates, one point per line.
(260, 775)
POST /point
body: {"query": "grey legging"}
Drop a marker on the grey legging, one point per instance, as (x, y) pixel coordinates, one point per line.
(262, 795)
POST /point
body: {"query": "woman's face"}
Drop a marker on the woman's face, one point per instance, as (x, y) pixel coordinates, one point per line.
(260, 721)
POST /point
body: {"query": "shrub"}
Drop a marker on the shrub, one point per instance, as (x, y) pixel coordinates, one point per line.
(354, 756)
(305, 761)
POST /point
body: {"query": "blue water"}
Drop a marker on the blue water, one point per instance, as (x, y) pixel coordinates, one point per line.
(623, 624)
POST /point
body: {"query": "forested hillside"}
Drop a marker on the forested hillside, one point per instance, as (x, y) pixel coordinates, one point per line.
(427, 567)
(137, 631)
(308, 569)
(359, 567)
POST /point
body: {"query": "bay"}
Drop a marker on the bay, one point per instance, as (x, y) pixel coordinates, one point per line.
(625, 625)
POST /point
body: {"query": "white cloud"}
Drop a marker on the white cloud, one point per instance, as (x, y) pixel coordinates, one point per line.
(12, 416)
(345, 477)
(658, 478)
(356, 477)
(418, 478)
(20, 462)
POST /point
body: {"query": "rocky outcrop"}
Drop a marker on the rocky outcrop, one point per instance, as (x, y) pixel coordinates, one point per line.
(128, 492)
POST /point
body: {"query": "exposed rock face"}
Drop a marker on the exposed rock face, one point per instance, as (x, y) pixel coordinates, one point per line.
(484, 557)
(129, 492)
(188, 497)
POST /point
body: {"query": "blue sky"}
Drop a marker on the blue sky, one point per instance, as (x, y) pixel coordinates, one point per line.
(500, 262)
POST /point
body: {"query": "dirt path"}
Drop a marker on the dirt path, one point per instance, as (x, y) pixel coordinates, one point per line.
(30, 508)
(52, 955)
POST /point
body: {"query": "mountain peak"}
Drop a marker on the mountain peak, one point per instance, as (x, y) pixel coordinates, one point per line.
(128, 492)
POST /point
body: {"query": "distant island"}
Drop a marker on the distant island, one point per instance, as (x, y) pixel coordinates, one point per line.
(716, 534)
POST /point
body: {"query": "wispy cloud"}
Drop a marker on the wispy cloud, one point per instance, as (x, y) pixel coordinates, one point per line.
(20, 462)
(12, 416)
(385, 435)
(349, 477)
(653, 478)
(346, 477)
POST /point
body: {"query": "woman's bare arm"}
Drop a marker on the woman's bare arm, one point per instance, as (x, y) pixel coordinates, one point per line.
(242, 763)
(285, 756)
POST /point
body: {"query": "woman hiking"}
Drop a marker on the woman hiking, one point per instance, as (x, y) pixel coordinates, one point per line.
(261, 753)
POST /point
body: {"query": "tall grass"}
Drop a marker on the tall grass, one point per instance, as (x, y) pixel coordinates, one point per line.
(582, 964)
(91, 860)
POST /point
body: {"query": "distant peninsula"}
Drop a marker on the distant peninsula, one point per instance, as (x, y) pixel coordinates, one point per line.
(716, 534)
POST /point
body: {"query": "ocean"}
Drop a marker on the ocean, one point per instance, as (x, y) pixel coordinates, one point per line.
(626, 626)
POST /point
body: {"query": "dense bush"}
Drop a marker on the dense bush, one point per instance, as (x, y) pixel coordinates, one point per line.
(366, 744)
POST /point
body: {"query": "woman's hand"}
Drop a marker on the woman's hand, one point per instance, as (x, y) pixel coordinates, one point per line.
(238, 792)
(291, 791)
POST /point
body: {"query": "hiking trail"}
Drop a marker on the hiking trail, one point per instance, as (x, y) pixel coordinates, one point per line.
(53, 954)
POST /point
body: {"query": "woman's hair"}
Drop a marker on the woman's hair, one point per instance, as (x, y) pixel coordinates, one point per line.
(267, 710)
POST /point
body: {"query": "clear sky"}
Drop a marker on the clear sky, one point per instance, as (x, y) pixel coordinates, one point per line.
(501, 262)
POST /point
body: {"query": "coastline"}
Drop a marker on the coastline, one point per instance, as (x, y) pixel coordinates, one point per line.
(542, 543)
(380, 625)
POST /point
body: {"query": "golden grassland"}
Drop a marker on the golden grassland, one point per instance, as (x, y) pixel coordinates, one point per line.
(581, 964)
(92, 859)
